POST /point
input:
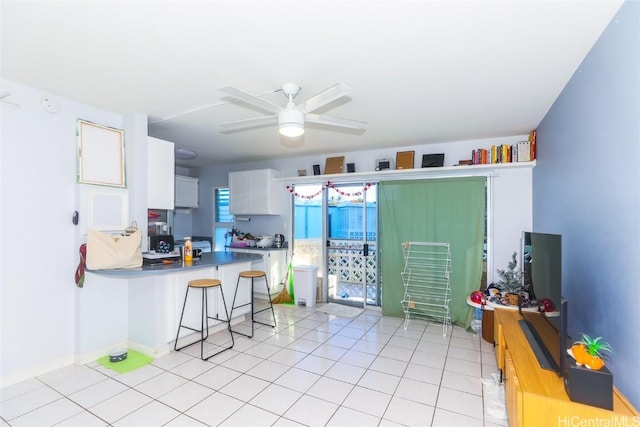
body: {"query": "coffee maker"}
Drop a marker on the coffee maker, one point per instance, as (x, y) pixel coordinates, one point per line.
(278, 241)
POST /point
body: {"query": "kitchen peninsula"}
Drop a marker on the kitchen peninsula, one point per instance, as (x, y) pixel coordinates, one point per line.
(139, 308)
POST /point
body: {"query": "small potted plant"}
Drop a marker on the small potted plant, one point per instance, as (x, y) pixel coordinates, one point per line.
(510, 283)
(589, 352)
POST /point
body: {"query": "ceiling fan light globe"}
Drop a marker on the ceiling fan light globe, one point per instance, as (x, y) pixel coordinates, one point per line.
(291, 130)
(291, 123)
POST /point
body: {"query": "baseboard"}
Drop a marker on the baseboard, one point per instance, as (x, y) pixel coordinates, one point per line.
(81, 359)
(151, 352)
(33, 372)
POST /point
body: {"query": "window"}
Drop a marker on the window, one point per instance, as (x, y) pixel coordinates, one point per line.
(223, 220)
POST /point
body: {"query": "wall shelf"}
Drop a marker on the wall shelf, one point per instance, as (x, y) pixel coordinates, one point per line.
(406, 174)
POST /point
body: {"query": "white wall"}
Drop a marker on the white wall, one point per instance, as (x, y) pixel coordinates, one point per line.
(39, 243)
(511, 207)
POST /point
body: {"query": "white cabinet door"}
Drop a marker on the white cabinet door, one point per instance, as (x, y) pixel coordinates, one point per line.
(261, 192)
(259, 265)
(256, 192)
(160, 174)
(176, 290)
(228, 275)
(277, 269)
(240, 193)
(273, 263)
(186, 192)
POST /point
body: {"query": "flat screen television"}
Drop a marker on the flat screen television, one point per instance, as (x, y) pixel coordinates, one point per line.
(542, 276)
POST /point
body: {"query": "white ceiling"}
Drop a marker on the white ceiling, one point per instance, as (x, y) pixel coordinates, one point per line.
(420, 71)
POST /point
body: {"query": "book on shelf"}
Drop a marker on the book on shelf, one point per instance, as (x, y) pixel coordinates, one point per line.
(521, 151)
(505, 154)
(532, 144)
(524, 151)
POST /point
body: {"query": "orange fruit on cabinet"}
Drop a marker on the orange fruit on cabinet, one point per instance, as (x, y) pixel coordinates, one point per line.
(580, 354)
(595, 363)
(588, 356)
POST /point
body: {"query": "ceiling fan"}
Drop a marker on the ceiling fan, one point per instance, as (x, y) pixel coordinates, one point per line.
(291, 119)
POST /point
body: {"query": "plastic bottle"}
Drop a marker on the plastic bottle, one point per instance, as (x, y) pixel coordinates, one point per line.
(476, 323)
(188, 250)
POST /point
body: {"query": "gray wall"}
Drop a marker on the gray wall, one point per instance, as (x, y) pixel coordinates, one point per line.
(586, 187)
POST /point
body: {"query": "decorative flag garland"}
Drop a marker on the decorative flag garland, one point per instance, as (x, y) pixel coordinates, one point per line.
(331, 185)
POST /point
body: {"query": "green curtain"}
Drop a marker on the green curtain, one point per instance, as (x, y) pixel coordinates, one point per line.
(450, 210)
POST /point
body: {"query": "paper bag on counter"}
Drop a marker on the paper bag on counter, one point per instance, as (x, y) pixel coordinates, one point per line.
(107, 251)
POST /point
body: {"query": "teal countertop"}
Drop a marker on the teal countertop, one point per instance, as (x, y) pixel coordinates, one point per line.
(207, 260)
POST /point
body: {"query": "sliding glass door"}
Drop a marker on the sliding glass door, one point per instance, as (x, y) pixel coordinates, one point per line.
(335, 228)
(308, 235)
(352, 230)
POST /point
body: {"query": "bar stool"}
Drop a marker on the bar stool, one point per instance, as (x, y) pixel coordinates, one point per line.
(253, 274)
(204, 284)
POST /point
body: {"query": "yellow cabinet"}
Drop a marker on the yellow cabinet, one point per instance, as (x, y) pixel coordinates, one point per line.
(513, 393)
(535, 396)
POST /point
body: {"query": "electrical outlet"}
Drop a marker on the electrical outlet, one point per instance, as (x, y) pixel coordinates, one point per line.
(49, 104)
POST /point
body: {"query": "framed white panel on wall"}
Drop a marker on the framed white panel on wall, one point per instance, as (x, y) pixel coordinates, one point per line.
(100, 155)
(108, 210)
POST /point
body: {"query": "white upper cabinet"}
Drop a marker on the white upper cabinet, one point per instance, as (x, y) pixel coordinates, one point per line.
(256, 192)
(186, 192)
(160, 174)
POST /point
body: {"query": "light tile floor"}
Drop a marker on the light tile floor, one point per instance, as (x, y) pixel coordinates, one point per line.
(313, 369)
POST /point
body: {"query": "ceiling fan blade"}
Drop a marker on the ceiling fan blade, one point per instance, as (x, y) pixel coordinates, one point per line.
(323, 98)
(335, 121)
(254, 121)
(251, 99)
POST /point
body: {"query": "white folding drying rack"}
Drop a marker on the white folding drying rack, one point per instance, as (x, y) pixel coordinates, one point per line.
(426, 278)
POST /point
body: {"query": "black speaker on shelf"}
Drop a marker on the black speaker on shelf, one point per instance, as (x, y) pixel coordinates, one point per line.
(316, 169)
(587, 386)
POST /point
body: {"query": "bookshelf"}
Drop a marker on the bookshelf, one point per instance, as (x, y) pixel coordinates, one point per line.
(407, 174)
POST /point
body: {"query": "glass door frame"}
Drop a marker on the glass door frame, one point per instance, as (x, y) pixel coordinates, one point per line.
(361, 249)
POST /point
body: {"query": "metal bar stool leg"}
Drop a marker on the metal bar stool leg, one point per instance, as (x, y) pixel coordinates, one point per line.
(253, 275)
(228, 321)
(273, 313)
(175, 345)
(204, 285)
(204, 318)
(233, 307)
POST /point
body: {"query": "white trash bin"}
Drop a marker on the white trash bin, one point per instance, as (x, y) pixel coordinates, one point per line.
(305, 278)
